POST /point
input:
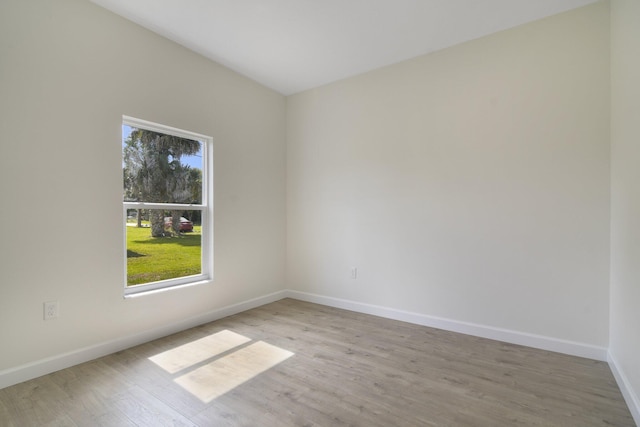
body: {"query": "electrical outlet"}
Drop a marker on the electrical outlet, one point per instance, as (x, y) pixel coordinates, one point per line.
(51, 310)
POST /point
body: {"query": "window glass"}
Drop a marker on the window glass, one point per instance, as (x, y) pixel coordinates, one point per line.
(167, 215)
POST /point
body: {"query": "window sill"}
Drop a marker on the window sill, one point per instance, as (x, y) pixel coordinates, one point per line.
(165, 289)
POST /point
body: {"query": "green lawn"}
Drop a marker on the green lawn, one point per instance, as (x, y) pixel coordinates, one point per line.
(150, 259)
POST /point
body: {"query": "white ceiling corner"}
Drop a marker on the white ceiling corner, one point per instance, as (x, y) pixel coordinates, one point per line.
(295, 45)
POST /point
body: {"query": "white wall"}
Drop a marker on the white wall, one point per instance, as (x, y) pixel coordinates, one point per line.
(625, 197)
(470, 184)
(69, 70)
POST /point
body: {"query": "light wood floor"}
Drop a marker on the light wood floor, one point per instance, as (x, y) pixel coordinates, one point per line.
(292, 363)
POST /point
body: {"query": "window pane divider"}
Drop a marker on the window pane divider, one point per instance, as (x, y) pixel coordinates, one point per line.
(165, 206)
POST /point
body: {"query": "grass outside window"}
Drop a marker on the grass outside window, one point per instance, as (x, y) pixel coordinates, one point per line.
(151, 259)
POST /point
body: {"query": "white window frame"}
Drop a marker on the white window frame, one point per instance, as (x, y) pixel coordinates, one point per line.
(206, 208)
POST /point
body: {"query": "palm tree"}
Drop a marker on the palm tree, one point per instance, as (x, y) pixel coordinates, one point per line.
(153, 173)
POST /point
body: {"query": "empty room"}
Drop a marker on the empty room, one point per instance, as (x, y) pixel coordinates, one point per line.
(319, 213)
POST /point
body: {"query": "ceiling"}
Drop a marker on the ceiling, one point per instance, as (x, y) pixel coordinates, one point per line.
(294, 45)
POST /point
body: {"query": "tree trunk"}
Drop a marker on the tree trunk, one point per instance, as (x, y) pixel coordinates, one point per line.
(156, 216)
(139, 217)
(175, 222)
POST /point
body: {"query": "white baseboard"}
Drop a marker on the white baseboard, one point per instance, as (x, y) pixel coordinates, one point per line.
(38, 368)
(530, 340)
(630, 396)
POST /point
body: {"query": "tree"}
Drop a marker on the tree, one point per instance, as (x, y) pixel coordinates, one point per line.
(133, 161)
(195, 184)
(153, 173)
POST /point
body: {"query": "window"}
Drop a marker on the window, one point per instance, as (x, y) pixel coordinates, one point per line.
(167, 206)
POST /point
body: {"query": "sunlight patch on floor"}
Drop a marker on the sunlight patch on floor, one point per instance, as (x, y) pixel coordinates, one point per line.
(225, 373)
(197, 351)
